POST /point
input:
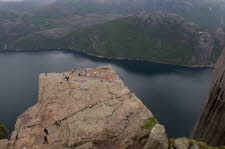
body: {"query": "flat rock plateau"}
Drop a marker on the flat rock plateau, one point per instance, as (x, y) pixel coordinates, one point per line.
(94, 112)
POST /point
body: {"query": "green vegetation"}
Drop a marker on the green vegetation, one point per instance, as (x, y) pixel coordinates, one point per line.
(217, 51)
(124, 38)
(129, 37)
(201, 145)
(3, 132)
(150, 123)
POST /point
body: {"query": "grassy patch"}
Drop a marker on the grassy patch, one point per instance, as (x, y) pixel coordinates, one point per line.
(201, 145)
(3, 132)
(150, 123)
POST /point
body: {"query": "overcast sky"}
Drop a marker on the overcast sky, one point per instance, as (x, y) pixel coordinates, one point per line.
(9, 0)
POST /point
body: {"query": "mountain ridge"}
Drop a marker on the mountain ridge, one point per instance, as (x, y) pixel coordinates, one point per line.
(159, 36)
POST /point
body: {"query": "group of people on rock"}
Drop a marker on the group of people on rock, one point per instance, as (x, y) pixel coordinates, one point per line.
(85, 87)
(45, 137)
(57, 123)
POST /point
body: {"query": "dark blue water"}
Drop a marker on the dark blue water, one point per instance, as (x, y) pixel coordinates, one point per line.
(174, 94)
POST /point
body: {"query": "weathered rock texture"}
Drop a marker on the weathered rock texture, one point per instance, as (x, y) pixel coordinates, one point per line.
(106, 116)
(4, 144)
(157, 138)
(181, 144)
(211, 126)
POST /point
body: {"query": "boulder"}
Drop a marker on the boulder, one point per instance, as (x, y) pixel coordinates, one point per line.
(181, 143)
(193, 146)
(157, 138)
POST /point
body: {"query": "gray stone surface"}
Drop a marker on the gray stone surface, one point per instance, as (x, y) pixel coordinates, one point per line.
(157, 138)
(210, 127)
(4, 143)
(181, 143)
(193, 146)
(106, 114)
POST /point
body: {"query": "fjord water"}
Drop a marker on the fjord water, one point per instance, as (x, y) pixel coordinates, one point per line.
(174, 94)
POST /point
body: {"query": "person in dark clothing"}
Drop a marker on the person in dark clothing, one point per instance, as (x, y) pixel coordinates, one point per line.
(46, 131)
(57, 123)
(46, 140)
(67, 78)
(172, 146)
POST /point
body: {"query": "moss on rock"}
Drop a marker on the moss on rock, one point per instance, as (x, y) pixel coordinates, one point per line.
(201, 145)
(150, 123)
(4, 134)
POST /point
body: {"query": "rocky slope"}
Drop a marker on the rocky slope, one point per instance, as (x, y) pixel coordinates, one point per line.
(211, 128)
(158, 36)
(106, 115)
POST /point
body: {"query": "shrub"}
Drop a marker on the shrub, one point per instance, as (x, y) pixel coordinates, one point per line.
(3, 132)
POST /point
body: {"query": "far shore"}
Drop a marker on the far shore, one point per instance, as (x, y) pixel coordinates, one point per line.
(104, 57)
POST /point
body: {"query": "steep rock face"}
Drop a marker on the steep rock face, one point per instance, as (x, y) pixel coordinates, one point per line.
(106, 115)
(211, 128)
(190, 33)
(220, 35)
(204, 49)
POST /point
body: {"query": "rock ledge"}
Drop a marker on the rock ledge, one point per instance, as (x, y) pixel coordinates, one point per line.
(105, 115)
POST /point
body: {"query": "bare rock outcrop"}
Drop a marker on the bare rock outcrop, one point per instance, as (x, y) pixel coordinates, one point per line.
(210, 128)
(181, 143)
(4, 144)
(103, 115)
(157, 138)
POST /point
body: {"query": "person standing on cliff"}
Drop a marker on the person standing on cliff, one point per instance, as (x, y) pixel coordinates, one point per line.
(72, 70)
(67, 78)
(46, 140)
(46, 131)
(95, 73)
(85, 87)
(57, 123)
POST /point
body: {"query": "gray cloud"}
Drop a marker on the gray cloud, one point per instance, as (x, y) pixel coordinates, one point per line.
(10, 0)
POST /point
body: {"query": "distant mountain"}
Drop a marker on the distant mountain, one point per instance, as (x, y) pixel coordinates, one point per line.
(207, 13)
(159, 36)
(55, 19)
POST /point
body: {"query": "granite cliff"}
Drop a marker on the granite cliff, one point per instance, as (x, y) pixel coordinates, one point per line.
(211, 128)
(90, 109)
(104, 115)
